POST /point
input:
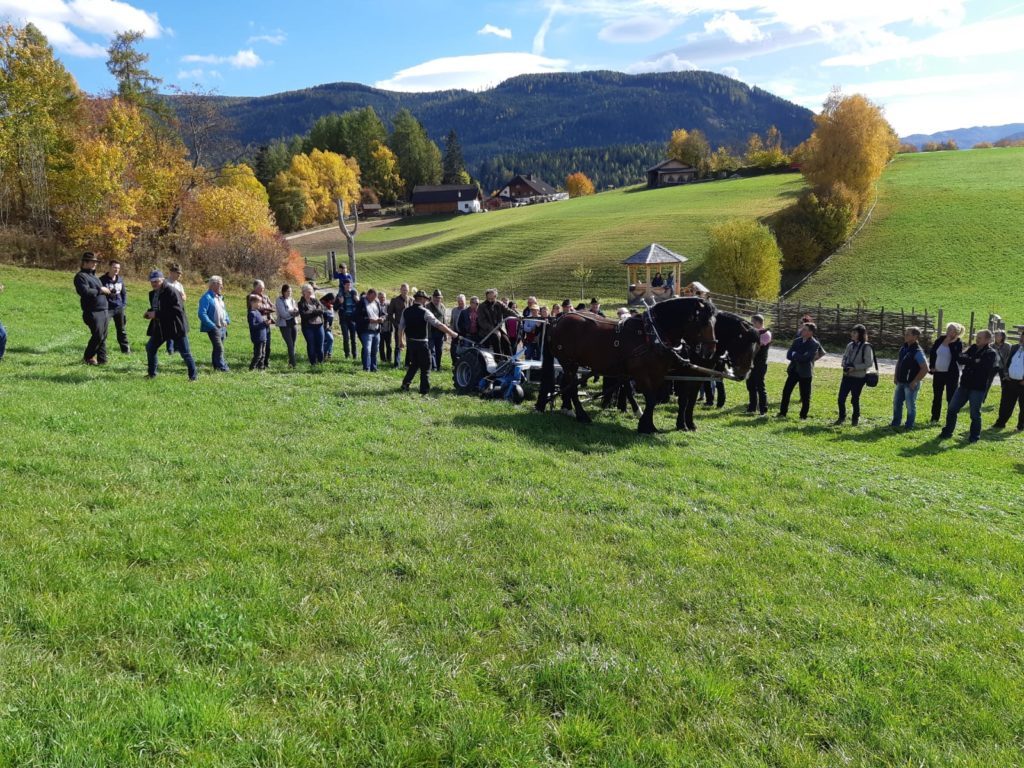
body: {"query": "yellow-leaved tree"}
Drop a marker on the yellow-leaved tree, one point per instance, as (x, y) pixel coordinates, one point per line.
(851, 145)
(579, 184)
(381, 174)
(744, 259)
(304, 194)
(243, 178)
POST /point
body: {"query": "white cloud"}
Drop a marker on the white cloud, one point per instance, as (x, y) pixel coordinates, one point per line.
(638, 29)
(732, 26)
(540, 39)
(990, 37)
(490, 29)
(668, 62)
(731, 72)
(198, 75)
(246, 59)
(469, 72)
(275, 38)
(63, 21)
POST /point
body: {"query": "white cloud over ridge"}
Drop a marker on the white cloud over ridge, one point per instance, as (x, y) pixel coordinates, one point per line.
(469, 72)
(490, 29)
(63, 21)
(668, 62)
(245, 59)
(638, 29)
(732, 26)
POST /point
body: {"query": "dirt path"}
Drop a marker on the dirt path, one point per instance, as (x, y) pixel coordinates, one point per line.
(830, 360)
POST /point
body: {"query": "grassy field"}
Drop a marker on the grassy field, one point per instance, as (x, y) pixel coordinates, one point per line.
(534, 249)
(948, 232)
(310, 569)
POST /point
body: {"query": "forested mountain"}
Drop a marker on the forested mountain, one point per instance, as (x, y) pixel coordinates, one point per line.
(542, 113)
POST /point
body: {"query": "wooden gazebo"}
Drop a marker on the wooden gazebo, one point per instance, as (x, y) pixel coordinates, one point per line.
(644, 264)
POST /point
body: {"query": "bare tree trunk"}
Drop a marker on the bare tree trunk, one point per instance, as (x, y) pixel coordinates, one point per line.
(350, 236)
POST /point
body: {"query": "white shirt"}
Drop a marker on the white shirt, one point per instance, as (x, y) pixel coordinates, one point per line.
(286, 310)
(943, 357)
(220, 313)
(373, 313)
(1015, 370)
(177, 287)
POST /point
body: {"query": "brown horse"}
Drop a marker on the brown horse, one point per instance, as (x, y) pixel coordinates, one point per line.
(737, 345)
(641, 348)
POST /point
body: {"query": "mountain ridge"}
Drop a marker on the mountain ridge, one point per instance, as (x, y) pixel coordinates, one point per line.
(966, 137)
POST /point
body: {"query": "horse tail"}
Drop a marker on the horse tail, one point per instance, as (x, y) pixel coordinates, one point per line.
(547, 370)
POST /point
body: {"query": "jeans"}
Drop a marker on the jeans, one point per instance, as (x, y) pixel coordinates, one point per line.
(98, 323)
(905, 394)
(328, 342)
(1011, 397)
(963, 396)
(217, 336)
(371, 345)
(943, 383)
(756, 390)
(259, 354)
(348, 336)
(121, 326)
(288, 334)
(3, 341)
(314, 336)
(805, 394)
(180, 346)
(850, 387)
(436, 350)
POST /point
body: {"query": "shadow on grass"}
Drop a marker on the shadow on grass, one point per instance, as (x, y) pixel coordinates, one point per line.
(71, 377)
(556, 429)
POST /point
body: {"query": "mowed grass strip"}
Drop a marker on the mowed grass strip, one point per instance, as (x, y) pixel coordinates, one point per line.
(948, 231)
(534, 249)
(310, 569)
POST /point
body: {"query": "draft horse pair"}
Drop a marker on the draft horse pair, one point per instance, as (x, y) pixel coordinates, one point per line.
(675, 338)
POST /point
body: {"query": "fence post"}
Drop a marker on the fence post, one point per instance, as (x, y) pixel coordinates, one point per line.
(970, 336)
(938, 325)
(881, 325)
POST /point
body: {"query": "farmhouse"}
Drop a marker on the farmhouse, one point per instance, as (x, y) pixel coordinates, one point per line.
(446, 198)
(526, 189)
(669, 174)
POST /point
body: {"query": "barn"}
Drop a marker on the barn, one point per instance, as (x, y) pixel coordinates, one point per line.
(446, 199)
(670, 173)
(526, 189)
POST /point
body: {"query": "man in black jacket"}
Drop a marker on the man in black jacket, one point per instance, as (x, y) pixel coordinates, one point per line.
(117, 303)
(95, 309)
(980, 363)
(415, 322)
(169, 323)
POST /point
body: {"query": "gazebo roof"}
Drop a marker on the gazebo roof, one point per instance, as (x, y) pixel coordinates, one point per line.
(655, 254)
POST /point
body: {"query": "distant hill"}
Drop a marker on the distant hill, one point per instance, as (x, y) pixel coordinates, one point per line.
(543, 113)
(967, 137)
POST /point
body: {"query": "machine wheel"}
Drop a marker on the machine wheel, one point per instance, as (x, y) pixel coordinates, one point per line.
(517, 395)
(468, 372)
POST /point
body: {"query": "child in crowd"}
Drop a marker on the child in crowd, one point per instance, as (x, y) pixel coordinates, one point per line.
(259, 333)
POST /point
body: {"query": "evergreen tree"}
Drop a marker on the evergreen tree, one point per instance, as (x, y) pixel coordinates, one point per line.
(419, 159)
(454, 165)
(135, 83)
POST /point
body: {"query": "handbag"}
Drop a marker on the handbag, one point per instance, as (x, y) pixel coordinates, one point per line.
(871, 377)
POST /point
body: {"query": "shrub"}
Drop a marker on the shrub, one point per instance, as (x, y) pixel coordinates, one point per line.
(906, 149)
(579, 185)
(829, 215)
(745, 259)
(983, 145)
(800, 251)
(263, 256)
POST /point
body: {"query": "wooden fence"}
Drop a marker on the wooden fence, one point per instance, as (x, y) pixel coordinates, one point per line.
(884, 326)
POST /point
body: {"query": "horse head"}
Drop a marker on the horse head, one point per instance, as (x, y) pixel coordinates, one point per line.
(688, 319)
(738, 341)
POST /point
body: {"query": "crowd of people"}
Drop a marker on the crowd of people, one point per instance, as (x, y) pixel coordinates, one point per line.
(378, 331)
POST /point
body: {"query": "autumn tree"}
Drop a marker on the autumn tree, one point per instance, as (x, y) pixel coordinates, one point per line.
(382, 174)
(767, 152)
(722, 160)
(690, 148)
(579, 185)
(242, 177)
(304, 194)
(851, 144)
(135, 83)
(744, 259)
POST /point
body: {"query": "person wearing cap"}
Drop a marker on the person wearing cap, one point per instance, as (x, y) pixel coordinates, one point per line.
(415, 323)
(93, 296)
(492, 315)
(595, 307)
(437, 308)
(167, 323)
(396, 307)
(117, 302)
(214, 320)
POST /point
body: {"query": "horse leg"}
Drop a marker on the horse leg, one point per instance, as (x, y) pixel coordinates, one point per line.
(646, 424)
(683, 398)
(690, 405)
(577, 404)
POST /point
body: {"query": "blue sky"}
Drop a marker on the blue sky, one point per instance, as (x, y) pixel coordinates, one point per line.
(933, 64)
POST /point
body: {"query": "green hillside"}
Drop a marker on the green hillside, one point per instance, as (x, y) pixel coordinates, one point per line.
(310, 569)
(948, 232)
(534, 249)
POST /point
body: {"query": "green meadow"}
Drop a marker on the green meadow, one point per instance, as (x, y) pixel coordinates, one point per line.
(948, 231)
(535, 249)
(312, 569)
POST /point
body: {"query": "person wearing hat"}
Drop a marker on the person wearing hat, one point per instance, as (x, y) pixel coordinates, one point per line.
(437, 308)
(566, 306)
(167, 323)
(595, 307)
(415, 323)
(492, 315)
(95, 309)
